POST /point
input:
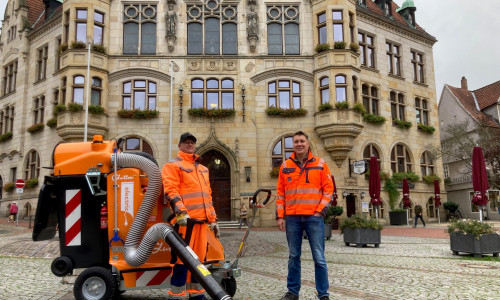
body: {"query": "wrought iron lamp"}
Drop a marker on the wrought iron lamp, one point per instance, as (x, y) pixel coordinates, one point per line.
(248, 171)
(180, 102)
(362, 195)
(345, 194)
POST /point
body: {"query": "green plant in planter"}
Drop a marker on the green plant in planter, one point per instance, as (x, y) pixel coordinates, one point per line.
(429, 179)
(360, 221)
(426, 128)
(383, 175)
(401, 124)
(360, 108)
(31, 183)
(339, 45)
(354, 47)
(99, 48)
(214, 113)
(96, 109)
(342, 105)
(322, 47)
(374, 119)
(9, 186)
(391, 188)
(447, 180)
(332, 213)
(75, 107)
(451, 206)
(52, 122)
(59, 108)
(325, 106)
(77, 45)
(5, 136)
(281, 112)
(35, 127)
(410, 176)
(137, 114)
(275, 172)
(62, 48)
(473, 227)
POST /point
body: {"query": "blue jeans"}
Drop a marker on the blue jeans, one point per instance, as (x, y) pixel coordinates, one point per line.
(314, 227)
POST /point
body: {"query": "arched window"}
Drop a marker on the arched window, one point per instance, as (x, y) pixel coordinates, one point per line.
(340, 88)
(371, 150)
(282, 151)
(400, 159)
(380, 211)
(139, 21)
(212, 93)
(283, 29)
(284, 94)
(32, 166)
(139, 94)
(370, 99)
(324, 87)
(78, 82)
(427, 164)
(397, 106)
(136, 144)
(95, 98)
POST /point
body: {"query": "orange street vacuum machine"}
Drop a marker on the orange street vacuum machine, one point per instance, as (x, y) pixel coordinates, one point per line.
(109, 210)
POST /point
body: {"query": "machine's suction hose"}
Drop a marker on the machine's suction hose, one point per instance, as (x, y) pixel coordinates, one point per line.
(137, 252)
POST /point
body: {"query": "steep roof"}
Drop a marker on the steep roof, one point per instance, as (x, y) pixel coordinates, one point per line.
(488, 95)
(35, 10)
(466, 98)
(373, 8)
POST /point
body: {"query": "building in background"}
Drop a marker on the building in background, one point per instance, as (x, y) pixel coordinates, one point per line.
(469, 113)
(243, 76)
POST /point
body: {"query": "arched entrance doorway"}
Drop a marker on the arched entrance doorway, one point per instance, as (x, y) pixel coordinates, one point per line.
(350, 202)
(220, 182)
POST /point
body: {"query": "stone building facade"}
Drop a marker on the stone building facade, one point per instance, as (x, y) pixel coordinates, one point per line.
(242, 76)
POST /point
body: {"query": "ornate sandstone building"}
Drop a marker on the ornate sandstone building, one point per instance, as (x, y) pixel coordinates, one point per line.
(243, 76)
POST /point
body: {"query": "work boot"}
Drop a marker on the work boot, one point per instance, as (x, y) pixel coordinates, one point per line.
(198, 297)
(324, 298)
(289, 296)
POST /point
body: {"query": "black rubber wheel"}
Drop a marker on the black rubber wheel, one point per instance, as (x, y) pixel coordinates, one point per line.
(95, 283)
(229, 285)
(62, 266)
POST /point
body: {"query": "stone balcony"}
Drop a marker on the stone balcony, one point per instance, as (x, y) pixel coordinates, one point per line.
(71, 125)
(338, 129)
(336, 57)
(78, 58)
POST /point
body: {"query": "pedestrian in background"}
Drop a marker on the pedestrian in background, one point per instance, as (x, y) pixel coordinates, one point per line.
(418, 214)
(13, 212)
(243, 214)
(304, 190)
(187, 190)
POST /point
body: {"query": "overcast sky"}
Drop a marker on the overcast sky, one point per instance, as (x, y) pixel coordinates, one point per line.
(467, 34)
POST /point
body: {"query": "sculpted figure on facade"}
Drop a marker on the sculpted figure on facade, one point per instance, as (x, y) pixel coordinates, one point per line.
(252, 28)
(171, 27)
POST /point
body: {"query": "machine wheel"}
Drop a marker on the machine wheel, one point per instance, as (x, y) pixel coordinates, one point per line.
(62, 266)
(229, 285)
(95, 283)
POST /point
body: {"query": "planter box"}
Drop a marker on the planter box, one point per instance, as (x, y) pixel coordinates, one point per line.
(486, 244)
(361, 236)
(398, 218)
(328, 232)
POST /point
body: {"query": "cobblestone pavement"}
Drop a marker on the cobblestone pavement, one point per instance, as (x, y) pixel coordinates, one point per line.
(407, 265)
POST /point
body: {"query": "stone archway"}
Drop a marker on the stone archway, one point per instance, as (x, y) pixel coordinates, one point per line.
(220, 182)
(27, 211)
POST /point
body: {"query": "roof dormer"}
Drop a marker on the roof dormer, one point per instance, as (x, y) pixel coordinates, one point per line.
(385, 6)
(407, 11)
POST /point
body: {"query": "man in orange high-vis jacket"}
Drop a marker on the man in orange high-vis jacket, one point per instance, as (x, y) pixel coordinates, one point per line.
(187, 190)
(305, 188)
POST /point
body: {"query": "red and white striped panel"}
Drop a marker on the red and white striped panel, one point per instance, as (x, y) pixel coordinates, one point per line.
(150, 278)
(73, 218)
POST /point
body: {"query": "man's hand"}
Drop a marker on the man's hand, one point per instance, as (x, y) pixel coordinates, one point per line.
(215, 229)
(182, 219)
(317, 214)
(281, 224)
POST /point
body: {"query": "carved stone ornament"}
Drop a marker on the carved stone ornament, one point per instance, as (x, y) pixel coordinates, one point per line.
(351, 181)
(194, 65)
(249, 67)
(338, 160)
(175, 67)
(212, 65)
(229, 65)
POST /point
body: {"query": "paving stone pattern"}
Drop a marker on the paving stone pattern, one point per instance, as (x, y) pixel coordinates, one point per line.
(401, 268)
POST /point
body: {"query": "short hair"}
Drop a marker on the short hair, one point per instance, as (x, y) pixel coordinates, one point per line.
(300, 132)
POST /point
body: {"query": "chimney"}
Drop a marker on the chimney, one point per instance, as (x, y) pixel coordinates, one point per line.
(464, 83)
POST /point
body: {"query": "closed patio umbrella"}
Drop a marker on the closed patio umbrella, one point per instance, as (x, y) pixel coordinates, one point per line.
(479, 180)
(437, 197)
(406, 199)
(374, 184)
(335, 195)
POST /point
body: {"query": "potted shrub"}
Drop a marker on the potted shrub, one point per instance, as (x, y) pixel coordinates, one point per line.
(331, 218)
(361, 231)
(339, 45)
(397, 216)
(322, 47)
(473, 237)
(342, 105)
(275, 172)
(325, 106)
(452, 209)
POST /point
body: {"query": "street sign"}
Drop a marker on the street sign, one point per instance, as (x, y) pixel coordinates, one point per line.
(20, 184)
(19, 191)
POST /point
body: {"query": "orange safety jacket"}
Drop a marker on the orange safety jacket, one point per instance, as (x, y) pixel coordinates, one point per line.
(187, 188)
(303, 189)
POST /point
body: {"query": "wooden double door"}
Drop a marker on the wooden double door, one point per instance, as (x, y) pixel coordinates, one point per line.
(220, 182)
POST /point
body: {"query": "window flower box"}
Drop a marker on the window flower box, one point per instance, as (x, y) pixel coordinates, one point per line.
(218, 113)
(290, 112)
(354, 47)
(99, 48)
(325, 106)
(35, 128)
(275, 172)
(412, 177)
(429, 179)
(9, 186)
(137, 114)
(426, 128)
(75, 107)
(339, 45)
(52, 122)
(6, 136)
(322, 47)
(342, 105)
(96, 109)
(373, 119)
(401, 124)
(31, 183)
(77, 45)
(360, 109)
(59, 108)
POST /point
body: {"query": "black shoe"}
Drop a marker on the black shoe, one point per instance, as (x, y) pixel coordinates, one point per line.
(289, 296)
(324, 298)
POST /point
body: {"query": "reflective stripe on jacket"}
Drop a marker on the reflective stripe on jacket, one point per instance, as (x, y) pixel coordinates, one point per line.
(185, 182)
(303, 190)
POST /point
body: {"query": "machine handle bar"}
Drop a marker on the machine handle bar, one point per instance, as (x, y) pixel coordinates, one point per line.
(254, 199)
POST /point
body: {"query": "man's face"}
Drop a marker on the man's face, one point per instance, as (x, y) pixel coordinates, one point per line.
(300, 144)
(188, 146)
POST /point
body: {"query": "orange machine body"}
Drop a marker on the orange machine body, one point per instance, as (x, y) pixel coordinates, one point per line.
(77, 158)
